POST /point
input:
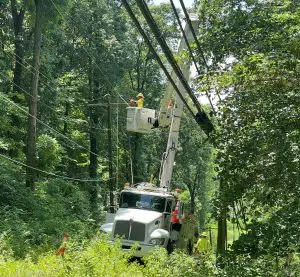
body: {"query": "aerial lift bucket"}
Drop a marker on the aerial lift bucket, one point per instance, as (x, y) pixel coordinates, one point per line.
(140, 120)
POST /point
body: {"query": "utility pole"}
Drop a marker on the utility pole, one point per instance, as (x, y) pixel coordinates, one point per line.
(110, 169)
(31, 158)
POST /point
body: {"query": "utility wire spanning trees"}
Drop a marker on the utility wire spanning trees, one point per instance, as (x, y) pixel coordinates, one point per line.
(145, 37)
(5, 98)
(199, 48)
(166, 50)
(29, 67)
(190, 50)
(63, 17)
(50, 173)
(106, 79)
(201, 117)
(32, 69)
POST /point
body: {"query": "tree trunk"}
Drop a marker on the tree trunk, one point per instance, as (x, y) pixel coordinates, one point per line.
(110, 168)
(203, 201)
(193, 203)
(221, 243)
(18, 19)
(17, 133)
(94, 122)
(67, 111)
(222, 229)
(127, 166)
(192, 189)
(31, 135)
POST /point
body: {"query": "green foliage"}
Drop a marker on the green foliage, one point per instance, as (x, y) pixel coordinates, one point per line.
(237, 28)
(9, 131)
(34, 223)
(89, 49)
(257, 139)
(159, 263)
(267, 265)
(100, 258)
(194, 169)
(49, 152)
(276, 235)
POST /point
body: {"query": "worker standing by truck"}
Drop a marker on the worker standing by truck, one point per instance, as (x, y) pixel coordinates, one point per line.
(202, 246)
(176, 218)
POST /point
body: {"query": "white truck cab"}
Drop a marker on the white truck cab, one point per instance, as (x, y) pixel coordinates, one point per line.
(144, 217)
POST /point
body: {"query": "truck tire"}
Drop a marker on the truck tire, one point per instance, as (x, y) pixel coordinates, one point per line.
(189, 247)
(170, 247)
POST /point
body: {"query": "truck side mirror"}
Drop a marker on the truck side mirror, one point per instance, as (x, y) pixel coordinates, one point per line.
(165, 214)
(110, 209)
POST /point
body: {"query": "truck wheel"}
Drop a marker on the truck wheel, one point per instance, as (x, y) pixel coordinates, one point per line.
(170, 247)
(189, 248)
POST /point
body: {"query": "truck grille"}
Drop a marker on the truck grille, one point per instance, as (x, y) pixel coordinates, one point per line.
(136, 232)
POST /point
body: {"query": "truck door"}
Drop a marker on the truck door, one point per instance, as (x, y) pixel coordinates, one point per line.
(167, 215)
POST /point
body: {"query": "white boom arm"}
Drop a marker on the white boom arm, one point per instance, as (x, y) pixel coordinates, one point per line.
(176, 114)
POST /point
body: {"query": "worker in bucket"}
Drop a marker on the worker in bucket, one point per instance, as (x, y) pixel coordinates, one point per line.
(139, 102)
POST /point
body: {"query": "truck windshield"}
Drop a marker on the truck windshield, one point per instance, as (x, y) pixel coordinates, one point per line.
(142, 201)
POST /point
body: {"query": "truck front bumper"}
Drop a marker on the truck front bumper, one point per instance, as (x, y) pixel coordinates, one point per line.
(141, 250)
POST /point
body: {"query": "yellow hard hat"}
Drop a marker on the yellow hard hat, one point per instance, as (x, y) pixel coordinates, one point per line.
(140, 95)
(204, 234)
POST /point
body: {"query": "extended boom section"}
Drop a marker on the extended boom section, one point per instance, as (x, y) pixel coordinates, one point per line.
(177, 111)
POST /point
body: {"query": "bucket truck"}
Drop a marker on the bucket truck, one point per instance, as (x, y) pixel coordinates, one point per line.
(145, 211)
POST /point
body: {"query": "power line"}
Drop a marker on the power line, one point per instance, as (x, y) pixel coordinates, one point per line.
(5, 98)
(29, 94)
(62, 119)
(24, 63)
(34, 69)
(145, 37)
(189, 22)
(153, 50)
(201, 117)
(50, 173)
(42, 122)
(166, 50)
(105, 104)
(22, 89)
(103, 129)
(190, 50)
(92, 60)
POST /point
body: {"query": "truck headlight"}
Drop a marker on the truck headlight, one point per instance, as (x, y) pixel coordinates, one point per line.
(157, 241)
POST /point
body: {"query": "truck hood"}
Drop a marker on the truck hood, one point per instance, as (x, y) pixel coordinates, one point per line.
(137, 215)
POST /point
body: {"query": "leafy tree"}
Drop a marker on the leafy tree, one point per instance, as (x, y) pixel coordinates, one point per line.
(258, 138)
(193, 167)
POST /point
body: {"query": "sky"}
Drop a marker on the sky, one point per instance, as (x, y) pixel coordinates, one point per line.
(188, 3)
